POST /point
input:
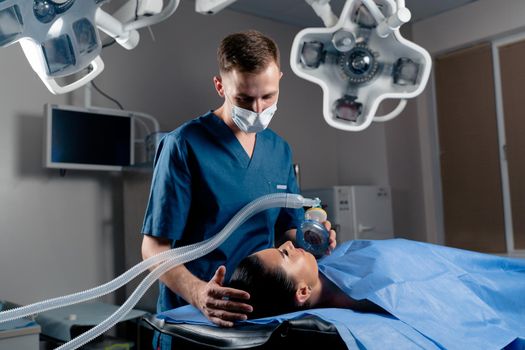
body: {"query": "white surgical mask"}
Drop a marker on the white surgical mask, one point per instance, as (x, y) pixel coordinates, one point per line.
(250, 121)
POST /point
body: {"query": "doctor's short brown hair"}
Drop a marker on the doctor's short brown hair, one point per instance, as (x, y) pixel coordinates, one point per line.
(249, 51)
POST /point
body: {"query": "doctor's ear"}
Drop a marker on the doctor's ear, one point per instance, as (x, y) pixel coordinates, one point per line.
(217, 82)
(303, 293)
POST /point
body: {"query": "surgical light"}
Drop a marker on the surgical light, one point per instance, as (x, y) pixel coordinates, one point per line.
(361, 60)
(60, 38)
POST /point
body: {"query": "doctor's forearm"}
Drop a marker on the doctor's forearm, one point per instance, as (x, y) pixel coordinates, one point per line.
(182, 282)
(179, 279)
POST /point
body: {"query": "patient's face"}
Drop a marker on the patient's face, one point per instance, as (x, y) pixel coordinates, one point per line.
(297, 263)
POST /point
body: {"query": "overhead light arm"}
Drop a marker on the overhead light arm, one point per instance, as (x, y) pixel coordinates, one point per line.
(323, 9)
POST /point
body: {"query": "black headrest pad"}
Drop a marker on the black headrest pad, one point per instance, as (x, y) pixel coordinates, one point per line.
(307, 329)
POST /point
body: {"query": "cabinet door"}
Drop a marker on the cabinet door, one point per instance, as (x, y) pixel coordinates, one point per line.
(512, 70)
(372, 212)
(468, 137)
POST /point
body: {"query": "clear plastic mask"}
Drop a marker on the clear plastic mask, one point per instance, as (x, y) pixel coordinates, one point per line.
(312, 235)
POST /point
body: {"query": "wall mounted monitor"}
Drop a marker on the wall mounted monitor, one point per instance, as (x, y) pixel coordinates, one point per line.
(88, 138)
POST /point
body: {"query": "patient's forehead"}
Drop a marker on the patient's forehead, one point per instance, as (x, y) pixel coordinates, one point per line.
(270, 258)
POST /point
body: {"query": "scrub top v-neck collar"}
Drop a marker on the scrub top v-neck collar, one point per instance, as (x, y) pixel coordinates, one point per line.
(232, 142)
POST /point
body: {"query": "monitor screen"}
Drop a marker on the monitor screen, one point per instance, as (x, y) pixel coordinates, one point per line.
(88, 138)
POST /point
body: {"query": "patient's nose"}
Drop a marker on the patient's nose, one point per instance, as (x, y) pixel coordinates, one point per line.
(290, 246)
(286, 245)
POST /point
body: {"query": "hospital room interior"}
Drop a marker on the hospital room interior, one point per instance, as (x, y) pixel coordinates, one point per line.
(418, 140)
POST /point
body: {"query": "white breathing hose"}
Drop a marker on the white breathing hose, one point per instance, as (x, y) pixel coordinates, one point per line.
(170, 259)
(93, 293)
(129, 303)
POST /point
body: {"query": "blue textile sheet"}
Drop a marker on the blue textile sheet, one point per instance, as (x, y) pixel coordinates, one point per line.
(438, 297)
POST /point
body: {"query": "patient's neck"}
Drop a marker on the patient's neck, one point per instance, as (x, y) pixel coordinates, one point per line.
(327, 294)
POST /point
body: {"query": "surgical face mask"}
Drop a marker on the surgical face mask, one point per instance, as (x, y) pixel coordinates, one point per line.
(250, 121)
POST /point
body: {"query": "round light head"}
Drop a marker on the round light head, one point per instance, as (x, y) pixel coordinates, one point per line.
(359, 64)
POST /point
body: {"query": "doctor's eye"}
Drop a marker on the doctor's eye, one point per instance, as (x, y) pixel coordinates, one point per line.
(244, 99)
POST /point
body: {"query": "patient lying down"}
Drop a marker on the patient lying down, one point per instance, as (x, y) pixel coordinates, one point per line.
(452, 298)
(286, 279)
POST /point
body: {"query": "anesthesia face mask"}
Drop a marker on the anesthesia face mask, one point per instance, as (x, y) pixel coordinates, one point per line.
(360, 61)
(312, 235)
(57, 37)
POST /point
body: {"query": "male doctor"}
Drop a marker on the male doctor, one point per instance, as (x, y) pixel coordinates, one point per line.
(208, 169)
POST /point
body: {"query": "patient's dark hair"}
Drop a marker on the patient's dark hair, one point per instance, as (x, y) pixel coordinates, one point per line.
(271, 290)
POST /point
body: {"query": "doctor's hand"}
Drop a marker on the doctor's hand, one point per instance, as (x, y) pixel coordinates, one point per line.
(221, 304)
(332, 238)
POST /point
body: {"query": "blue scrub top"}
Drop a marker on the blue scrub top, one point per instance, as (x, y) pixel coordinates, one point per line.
(202, 178)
